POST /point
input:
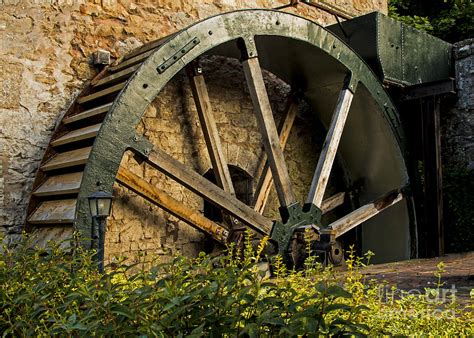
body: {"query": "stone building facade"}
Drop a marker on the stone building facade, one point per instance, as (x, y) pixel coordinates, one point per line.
(45, 61)
(458, 122)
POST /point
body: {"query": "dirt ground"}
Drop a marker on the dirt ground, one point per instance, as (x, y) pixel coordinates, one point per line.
(419, 274)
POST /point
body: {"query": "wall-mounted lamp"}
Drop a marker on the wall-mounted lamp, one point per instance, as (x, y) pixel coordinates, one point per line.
(100, 204)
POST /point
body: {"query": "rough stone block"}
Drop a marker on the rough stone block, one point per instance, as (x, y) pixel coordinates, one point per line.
(101, 58)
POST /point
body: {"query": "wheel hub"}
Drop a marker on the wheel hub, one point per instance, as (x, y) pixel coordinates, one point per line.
(296, 219)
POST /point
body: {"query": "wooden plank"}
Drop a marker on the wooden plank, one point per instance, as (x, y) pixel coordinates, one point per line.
(265, 178)
(211, 192)
(123, 74)
(67, 159)
(331, 143)
(211, 134)
(60, 234)
(88, 113)
(171, 205)
(143, 49)
(54, 212)
(77, 135)
(60, 185)
(101, 93)
(333, 202)
(362, 214)
(271, 142)
(149, 46)
(130, 62)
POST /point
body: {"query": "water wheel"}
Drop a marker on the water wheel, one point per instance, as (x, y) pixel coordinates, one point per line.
(349, 127)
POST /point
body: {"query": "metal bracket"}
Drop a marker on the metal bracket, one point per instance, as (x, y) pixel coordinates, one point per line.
(141, 145)
(194, 68)
(435, 88)
(294, 218)
(351, 82)
(247, 47)
(178, 55)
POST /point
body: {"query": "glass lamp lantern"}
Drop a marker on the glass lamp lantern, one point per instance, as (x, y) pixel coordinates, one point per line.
(100, 204)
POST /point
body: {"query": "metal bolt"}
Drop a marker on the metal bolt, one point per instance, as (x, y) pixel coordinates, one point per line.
(135, 138)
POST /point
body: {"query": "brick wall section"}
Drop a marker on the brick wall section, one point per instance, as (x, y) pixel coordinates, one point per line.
(458, 123)
(45, 61)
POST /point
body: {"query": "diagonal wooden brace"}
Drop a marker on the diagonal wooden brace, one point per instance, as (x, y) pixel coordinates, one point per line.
(171, 205)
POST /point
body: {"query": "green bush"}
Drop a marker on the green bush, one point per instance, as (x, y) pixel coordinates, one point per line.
(51, 292)
(450, 20)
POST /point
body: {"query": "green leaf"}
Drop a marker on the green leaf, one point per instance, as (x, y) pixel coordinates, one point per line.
(122, 310)
(337, 291)
(251, 330)
(198, 331)
(337, 306)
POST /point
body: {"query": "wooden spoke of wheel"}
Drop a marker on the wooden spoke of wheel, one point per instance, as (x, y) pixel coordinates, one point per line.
(331, 143)
(171, 205)
(364, 213)
(161, 161)
(333, 202)
(209, 129)
(266, 123)
(265, 175)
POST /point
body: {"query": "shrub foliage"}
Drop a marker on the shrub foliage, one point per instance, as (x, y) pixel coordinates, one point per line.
(52, 292)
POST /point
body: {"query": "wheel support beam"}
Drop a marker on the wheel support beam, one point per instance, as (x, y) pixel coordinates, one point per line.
(331, 143)
(184, 175)
(209, 129)
(266, 179)
(266, 123)
(171, 205)
(364, 213)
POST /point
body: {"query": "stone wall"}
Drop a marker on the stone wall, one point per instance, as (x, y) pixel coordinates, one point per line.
(45, 48)
(458, 122)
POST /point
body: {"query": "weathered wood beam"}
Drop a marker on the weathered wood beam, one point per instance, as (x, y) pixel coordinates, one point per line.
(333, 202)
(362, 214)
(171, 205)
(266, 179)
(271, 142)
(209, 129)
(331, 143)
(209, 191)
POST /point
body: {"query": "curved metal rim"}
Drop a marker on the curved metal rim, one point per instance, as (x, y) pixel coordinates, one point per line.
(117, 133)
